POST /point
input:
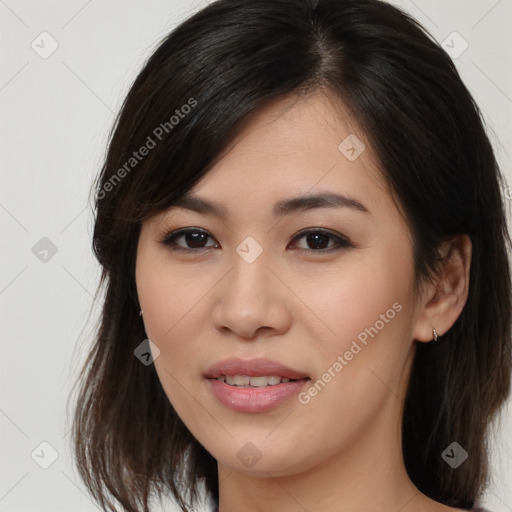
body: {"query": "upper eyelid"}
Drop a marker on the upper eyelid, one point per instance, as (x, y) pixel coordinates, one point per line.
(181, 231)
(175, 233)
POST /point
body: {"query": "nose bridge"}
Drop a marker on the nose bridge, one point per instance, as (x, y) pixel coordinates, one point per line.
(249, 279)
(250, 297)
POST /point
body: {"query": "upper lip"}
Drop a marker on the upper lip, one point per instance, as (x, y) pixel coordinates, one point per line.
(254, 368)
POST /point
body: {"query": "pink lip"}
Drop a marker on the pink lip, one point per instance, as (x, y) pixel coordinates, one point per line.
(253, 399)
(252, 367)
(245, 399)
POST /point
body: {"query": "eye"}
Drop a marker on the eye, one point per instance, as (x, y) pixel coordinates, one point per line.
(318, 240)
(194, 238)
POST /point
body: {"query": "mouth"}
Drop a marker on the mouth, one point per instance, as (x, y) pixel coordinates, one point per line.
(254, 381)
(254, 385)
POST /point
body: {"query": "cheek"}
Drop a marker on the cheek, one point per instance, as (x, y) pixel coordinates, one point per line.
(169, 294)
(367, 308)
(177, 300)
(362, 294)
(174, 317)
(364, 353)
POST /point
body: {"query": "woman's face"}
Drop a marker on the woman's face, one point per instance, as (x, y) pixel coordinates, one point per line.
(267, 283)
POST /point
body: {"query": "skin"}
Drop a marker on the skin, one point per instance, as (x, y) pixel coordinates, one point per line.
(302, 307)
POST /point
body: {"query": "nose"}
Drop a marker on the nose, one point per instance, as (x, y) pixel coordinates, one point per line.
(251, 301)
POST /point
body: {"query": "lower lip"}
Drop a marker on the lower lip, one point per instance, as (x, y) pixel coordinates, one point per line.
(253, 399)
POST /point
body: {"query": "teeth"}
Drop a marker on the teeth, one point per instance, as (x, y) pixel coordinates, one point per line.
(242, 380)
(257, 382)
(260, 382)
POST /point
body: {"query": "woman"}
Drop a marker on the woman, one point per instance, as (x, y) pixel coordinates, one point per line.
(304, 253)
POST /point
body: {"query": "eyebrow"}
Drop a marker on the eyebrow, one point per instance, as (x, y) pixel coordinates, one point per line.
(286, 206)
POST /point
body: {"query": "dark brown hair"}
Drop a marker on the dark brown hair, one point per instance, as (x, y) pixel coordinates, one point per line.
(203, 81)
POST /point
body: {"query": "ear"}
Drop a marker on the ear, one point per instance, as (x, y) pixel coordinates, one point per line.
(443, 300)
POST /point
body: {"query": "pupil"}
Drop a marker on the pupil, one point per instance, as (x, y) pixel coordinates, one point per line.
(195, 239)
(317, 240)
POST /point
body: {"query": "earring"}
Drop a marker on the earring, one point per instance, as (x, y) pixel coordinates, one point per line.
(434, 334)
(140, 312)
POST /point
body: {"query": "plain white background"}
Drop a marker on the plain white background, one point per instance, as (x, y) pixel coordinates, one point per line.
(56, 113)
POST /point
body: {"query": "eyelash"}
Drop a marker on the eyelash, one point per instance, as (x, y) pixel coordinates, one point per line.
(169, 240)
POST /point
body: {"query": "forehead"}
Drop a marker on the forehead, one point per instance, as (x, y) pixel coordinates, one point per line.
(294, 146)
